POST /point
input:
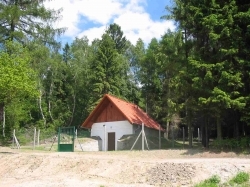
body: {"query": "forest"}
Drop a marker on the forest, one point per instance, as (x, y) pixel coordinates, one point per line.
(197, 75)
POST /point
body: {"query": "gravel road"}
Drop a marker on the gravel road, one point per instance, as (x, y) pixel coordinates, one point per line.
(116, 169)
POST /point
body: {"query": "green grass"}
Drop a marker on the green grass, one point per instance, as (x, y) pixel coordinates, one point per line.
(40, 148)
(240, 178)
(211, 182)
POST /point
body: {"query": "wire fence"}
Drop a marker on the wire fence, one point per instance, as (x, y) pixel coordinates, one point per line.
(40, 139)
(47, 140)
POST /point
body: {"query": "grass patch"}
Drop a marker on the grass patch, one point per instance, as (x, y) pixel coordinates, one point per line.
(211, 182)
(40, 148)
(240, 178)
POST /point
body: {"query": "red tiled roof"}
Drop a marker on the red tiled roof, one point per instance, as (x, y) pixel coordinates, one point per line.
(133, 113)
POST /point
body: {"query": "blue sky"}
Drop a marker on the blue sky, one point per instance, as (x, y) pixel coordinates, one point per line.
(137, 18)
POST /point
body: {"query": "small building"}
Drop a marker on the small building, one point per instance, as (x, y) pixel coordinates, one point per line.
(114, 118)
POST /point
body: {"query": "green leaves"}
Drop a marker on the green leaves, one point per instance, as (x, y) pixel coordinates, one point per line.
(17, 77)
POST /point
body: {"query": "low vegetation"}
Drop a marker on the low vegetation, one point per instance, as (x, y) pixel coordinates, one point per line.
(239, 180)
(231, 143)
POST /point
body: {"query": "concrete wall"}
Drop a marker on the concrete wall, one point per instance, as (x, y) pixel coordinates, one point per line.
(91, 144)
(119, 127)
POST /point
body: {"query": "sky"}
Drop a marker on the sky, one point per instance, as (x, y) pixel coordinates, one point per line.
(137, 18)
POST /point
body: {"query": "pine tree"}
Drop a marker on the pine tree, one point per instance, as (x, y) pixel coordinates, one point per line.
(115, 32)
(215, 69)
(106, 69)
(23, 20)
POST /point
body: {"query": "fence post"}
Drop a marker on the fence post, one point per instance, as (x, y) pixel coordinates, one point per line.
(13, 140)
(34, 143)
(172, 133)
(38, 137)
(159, 136)
(183, 132)
(198, 134)
(142, 137)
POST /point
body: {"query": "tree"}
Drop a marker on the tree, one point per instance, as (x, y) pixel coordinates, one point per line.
(80, 65)
(17, 77)
(66, 53)
(172, 62)
(134, 56)
(22, 20)
(215, 67)
(150, 78)
(115, 32)
(107, 69)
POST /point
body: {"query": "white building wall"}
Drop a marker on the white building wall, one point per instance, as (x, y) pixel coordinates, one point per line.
(119, 127)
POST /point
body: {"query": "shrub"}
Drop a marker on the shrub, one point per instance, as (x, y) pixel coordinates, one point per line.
(244, 142)
(227, 143)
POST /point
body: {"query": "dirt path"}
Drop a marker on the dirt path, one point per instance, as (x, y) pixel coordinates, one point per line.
(113, 169)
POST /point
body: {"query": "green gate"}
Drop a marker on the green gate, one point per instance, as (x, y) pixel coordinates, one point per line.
(66, 139)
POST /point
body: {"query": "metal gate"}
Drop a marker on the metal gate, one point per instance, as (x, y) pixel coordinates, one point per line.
(66, 139)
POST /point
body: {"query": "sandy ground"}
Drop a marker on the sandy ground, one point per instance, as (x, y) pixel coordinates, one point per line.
(116, 169)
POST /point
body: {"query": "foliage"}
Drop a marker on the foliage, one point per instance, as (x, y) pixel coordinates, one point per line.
(214, 38)
(108, 70)
(232, 143)
(17, 77)
(116, 34)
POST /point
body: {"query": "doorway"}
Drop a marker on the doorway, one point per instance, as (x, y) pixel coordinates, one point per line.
(111, 141)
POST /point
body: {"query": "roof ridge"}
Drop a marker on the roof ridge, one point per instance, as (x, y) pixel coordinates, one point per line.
(128, 102)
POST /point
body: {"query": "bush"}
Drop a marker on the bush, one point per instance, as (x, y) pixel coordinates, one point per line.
(244, 142)
(226, 143)
(211, 182)
(240, 178)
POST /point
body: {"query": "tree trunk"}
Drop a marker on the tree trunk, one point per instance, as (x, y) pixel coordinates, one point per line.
(168, 113)
(218, 128)
(207, 137)
(73, 110)
(1, 111)
(41, 109)
(203, 137)
(50, 95)
(190, 134)
(3, 121)
(2, 117)
(74, 102)
(236, 130)
(204, 131)
(243, 129)
(167, 129)
(236, 124)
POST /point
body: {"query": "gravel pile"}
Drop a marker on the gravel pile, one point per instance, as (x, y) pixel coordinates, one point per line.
(171, 174)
